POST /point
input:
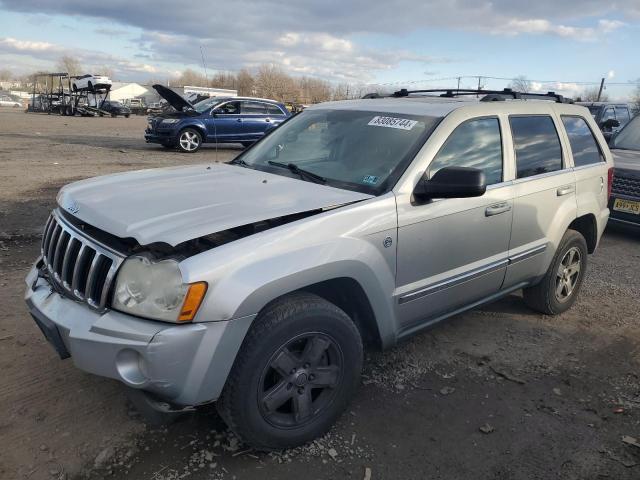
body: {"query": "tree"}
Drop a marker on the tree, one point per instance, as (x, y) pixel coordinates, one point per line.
(520, 84)
(5, 75)
(635, 98)
(104, 70)
(245, 83)
(192, 78)
(70, 65)
(591, 95)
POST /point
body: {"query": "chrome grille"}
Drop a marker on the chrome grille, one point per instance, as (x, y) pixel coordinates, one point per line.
(624, 185)
(83, 268)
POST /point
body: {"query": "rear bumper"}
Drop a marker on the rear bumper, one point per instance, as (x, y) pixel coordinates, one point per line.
(181, 364)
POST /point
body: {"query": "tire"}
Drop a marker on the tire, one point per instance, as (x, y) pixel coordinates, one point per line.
(299, 341)
(126, 115)
(559, 288)
(189, 140)
(114, 115)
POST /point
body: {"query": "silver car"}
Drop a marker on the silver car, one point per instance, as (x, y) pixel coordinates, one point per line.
(255, 284)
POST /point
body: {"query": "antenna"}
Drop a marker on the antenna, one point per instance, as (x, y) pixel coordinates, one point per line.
(206, 76)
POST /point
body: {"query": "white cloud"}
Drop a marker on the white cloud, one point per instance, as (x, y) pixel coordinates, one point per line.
(539, 26)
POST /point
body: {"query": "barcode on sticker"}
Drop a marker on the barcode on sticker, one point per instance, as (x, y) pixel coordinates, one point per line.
(393, 122)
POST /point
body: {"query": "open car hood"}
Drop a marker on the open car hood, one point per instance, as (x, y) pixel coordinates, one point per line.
(176, 101)
(177, 204)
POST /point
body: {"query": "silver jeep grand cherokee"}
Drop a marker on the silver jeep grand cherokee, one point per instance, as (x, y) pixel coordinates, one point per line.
(256, 283)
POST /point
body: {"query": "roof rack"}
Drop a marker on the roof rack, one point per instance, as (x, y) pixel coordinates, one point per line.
(489, 95)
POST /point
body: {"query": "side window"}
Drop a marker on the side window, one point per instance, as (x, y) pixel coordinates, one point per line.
(608, 113)
(622, 115)
(474, 143)
(537, 145)
(273, 110)
(229, 108)
(253, 108)
(584, 146)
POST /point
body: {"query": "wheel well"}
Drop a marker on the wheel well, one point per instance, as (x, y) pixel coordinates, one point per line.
(587, 226)
(347, 294)
(195, 127)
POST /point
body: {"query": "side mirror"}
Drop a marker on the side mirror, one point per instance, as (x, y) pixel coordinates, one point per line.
(452, 182)
(610, 123)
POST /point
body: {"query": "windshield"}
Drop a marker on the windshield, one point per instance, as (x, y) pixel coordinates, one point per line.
(356, 150)
(629, 137)
(205, 104)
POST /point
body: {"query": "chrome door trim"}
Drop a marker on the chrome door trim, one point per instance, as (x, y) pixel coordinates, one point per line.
(453, 281)
(470, 275)
(527, 254)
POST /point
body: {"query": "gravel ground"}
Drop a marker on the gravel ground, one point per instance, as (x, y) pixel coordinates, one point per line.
(497, 393)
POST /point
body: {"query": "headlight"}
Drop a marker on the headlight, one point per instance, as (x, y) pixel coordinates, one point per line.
(170, 120)
(154, 289)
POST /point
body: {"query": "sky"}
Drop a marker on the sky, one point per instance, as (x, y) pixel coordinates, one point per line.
(559, 45)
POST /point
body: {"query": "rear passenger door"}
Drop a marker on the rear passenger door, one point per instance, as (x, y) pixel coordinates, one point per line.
(545, 196)
(590, 166)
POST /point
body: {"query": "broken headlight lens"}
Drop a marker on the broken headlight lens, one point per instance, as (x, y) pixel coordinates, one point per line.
(150, 289)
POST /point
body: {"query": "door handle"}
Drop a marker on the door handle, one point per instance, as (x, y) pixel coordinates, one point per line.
(497, 209)
(566, 190)
(239, 120)
(268, 120)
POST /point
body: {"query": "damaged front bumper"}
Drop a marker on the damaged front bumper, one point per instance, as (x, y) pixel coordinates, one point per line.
(180, 364)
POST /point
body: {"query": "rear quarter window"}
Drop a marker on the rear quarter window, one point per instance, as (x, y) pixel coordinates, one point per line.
(537, 145)
(584, 146)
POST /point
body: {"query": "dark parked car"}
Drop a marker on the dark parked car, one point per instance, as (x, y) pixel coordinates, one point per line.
(225, 120)
(115, 108)
(610, 116)
(625, 195)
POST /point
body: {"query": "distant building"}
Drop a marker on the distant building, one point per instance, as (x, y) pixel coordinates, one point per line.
(123, 92)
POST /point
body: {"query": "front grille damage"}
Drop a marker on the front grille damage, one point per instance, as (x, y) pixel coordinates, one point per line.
(80, 267)
(81, 261)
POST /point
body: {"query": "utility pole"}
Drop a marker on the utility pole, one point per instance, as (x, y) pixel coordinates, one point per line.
(479, 79)
(601, 87)
(458, 83)
(206, 77)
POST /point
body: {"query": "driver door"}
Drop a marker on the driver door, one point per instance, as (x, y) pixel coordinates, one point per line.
(225, 123)
(454, 252)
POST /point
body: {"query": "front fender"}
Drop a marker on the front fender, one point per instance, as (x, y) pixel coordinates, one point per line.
(356, 242)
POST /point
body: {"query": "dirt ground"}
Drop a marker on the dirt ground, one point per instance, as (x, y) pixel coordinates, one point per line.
(497, 393)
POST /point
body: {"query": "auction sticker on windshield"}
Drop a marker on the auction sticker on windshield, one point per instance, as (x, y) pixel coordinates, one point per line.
(392, 122)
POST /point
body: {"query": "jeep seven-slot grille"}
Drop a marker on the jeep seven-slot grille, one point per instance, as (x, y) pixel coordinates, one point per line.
(82, 268)
(624, 185)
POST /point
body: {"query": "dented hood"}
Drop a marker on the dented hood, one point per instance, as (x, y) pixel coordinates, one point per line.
(173, 205)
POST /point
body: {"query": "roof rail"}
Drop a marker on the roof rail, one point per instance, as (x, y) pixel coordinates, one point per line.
(489, 95)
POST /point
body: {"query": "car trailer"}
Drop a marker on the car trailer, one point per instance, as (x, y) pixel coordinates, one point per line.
(52, 93)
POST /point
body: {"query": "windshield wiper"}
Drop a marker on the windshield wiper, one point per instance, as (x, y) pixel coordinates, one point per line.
(292, 167)
(241, 162)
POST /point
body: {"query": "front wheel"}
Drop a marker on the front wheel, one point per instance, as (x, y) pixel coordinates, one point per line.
(296, 372)
(189, 140)
(557, 291)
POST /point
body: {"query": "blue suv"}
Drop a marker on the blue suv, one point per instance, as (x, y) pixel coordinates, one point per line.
(223, 120)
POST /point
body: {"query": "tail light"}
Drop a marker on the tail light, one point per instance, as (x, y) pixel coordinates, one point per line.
(609, 181)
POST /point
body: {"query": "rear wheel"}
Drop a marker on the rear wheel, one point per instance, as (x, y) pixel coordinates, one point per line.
(189, 140)
(294, 375)
(559, 288)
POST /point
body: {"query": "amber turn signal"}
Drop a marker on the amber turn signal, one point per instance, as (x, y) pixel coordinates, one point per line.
(192, 301)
